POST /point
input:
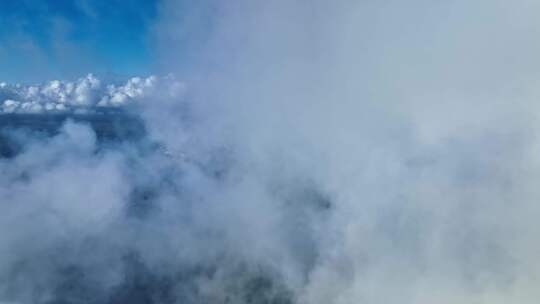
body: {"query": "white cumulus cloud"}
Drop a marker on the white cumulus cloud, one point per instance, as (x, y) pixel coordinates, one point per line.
(87, 94)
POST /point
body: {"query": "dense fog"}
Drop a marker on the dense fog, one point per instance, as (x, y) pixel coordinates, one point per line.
(308, 152)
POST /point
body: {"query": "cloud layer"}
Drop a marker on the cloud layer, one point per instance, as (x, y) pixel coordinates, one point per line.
(344, 152)
(86, 95)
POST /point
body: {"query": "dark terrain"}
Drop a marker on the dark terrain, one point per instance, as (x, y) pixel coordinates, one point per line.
(110, 127)
(76, 282)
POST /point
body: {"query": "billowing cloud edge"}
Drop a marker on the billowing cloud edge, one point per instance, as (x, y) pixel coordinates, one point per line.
(88, 94)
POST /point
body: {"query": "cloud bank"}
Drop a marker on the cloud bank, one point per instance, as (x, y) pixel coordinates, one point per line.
(344, 152)
(85, 95)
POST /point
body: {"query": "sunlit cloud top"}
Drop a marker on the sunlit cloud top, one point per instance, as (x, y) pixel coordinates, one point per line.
(85, 95)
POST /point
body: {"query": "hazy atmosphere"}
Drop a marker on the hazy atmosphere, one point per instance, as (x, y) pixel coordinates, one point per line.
(269, 152)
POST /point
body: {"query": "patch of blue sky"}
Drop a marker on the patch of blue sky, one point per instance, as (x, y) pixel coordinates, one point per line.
(40, 39)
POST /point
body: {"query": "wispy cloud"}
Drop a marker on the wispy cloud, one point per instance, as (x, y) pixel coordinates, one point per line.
(322, 152)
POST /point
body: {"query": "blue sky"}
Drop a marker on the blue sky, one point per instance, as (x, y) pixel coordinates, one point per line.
(40, 39)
